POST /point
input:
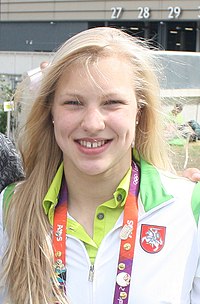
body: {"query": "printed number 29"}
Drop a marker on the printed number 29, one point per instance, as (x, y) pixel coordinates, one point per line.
(174, 12)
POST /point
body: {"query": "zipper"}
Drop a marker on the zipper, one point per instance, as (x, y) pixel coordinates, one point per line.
(91, 273)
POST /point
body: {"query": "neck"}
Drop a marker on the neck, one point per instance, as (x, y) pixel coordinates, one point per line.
(93, 189)
(86, 192)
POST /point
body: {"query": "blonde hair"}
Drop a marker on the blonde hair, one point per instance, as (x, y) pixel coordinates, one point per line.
(28, 261)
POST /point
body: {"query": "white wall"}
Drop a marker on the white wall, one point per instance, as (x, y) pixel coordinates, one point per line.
(20, 62)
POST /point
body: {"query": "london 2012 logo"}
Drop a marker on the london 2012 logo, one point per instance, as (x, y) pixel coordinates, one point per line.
(152, 238)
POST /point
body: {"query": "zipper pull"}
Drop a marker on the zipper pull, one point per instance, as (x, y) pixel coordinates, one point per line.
(91, 274)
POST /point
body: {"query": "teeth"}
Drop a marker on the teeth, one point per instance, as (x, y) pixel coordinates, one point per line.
(93, 144)
(89, 144)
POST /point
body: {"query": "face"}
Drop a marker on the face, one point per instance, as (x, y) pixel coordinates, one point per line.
(94, 116)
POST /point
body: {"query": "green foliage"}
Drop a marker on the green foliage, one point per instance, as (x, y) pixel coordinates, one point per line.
(179, 154)
(6, 94)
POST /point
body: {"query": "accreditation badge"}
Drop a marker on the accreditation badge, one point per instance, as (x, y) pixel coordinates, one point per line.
(152, 238)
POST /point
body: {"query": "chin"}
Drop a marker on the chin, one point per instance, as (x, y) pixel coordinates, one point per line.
(93, 170)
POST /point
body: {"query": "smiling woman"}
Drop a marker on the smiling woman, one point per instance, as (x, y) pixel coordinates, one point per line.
(99, 202)
(94, 122)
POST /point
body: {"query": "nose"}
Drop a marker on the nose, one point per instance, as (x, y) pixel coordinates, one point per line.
(93, 121)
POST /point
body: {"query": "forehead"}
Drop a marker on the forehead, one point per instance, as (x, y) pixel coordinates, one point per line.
(102, 69)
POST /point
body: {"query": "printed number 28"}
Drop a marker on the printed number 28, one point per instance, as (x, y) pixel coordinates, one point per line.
(144, 12)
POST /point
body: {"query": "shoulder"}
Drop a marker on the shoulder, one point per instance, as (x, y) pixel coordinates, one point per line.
(163, 184)
(196, 201)
(1, 219)
(3, 235)
(5, 197)
(1, 205)
(176, 183)
(169, 182)
(184, 189)
(7, 194)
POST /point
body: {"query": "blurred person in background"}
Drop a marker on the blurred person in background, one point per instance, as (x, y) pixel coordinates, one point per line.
(10, 163)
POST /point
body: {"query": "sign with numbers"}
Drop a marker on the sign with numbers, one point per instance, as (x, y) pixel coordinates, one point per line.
(150, 12)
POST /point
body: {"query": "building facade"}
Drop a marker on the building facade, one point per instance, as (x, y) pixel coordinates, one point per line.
(41, 26)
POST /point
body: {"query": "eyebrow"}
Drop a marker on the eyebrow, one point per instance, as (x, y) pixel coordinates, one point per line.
(74, 95)
(112, 94)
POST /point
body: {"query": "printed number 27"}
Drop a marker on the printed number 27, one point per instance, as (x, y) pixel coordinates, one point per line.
(116, 12)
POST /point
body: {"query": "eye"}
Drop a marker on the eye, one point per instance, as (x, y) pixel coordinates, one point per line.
(72, 102)
(114, 102)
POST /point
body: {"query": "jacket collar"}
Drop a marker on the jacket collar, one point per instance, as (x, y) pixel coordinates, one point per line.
(152, 191)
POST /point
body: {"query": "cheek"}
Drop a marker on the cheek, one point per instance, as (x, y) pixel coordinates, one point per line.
(129, 128)
(124, 122)
(62, 120)
(62, 127)
(62, 133)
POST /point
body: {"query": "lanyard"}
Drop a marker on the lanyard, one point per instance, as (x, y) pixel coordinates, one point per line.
(127, 236)
(59, 236)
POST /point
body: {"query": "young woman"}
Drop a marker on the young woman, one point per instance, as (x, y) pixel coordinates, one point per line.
(99, 217)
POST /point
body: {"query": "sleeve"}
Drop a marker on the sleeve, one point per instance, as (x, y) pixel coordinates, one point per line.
(3, 235)
(3, 291)
(5, 197)
(1, 223)
(1, 244)
(195, 294)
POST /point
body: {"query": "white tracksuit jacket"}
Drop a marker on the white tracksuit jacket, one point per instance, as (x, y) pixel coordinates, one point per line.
(166, 268)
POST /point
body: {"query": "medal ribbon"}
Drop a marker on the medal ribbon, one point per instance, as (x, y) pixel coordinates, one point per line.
(59, 235)
(127, 235)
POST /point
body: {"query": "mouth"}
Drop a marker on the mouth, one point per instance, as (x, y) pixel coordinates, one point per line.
(92, 144)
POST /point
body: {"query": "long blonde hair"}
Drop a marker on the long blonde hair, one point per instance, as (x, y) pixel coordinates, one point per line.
(28, 261)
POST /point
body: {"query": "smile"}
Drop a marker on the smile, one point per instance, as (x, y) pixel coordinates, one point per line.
(92, 144)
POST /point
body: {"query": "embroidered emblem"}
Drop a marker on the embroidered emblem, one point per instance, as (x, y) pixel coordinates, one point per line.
(152, 238)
